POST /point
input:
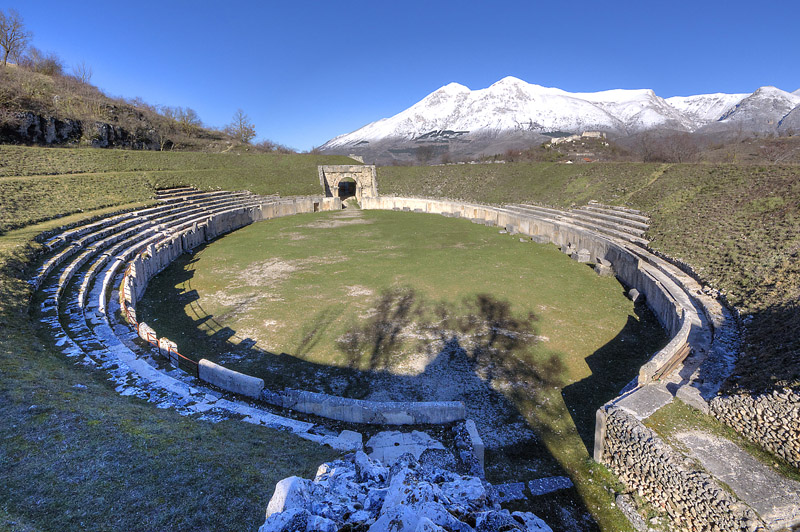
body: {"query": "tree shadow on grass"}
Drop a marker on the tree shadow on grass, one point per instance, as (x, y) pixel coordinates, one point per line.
(478, 351)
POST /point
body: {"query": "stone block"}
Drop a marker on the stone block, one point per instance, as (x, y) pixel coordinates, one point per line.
(603, 271)
(475, 438)
(541, 239)
(388, 446)
(635, 296)
(546, 485)
(582, 256)
(229, 380)
(169, 350)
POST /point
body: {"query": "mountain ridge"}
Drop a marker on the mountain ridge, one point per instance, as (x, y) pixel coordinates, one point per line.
(515, 108)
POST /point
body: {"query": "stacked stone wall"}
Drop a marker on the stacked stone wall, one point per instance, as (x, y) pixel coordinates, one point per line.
(648, 465)
(771, 420)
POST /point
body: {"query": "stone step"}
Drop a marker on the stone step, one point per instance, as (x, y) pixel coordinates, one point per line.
(585, 213)
(617, 211)
(611, 224)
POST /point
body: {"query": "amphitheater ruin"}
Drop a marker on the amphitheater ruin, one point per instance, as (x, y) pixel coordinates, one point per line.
(94, 274)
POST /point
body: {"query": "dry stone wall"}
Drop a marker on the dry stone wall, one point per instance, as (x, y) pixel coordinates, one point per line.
(648, 465)
(771, 420)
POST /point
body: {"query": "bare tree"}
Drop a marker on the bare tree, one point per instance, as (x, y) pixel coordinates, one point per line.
(13, 37)
(82, 72)
(47, 63)
(241, 128)
(425, 153)
(679, 148)
(779, 150)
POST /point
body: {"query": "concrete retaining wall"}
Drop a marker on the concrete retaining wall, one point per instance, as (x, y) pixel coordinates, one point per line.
(370, 412)
(648, 465)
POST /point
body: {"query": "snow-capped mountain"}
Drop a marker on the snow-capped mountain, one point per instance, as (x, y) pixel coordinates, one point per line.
(515, 109)
(761, 111)
(705, 108)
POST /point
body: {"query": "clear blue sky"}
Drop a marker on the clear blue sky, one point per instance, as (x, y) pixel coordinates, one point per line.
(307, 71)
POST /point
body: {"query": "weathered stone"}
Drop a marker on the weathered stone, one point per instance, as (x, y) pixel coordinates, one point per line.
(531, 523)
(545, 485)
(583, 255)
(388, 446)
(290, 493)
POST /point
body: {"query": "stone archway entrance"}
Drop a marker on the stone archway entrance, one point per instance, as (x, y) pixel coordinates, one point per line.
(348, 180)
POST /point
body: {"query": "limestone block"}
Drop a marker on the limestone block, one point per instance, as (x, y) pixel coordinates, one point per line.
(147, 333)
(475, 438)
(388, 446)
(290, 493)
(542, 486)
(541, 239)
(229, 380)
(532, 522)
(634, 295)
(168, 349)
(582, 255)
(603, 271)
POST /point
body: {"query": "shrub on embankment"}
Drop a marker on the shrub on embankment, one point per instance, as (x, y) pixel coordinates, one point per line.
(738, 226)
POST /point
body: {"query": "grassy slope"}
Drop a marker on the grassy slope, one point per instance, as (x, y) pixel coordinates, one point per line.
(739, 226)
(86, 458)
(38, 184)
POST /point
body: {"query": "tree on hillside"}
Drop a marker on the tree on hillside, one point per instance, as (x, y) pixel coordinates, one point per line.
(82, 72)
(47, 63)
(241, 128)
(13, 37)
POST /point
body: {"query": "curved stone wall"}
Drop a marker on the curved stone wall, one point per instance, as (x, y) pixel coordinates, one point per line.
(682, 318)
(142, 243)
(159, 254)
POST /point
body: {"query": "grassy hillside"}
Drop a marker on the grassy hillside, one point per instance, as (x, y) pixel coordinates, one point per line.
(77, 455)
(38, 184)
(738, 226)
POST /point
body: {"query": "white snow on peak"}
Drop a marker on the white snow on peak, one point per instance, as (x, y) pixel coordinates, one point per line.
(797, 92)
(705, 108)
(512, 104)
(766, 103)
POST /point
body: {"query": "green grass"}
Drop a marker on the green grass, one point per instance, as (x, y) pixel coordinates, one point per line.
(738, 226)
(75, 455)
(310, 302)
(38, 184)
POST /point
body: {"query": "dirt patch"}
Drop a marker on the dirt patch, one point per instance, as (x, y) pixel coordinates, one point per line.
(342, 219)
(359, 291)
